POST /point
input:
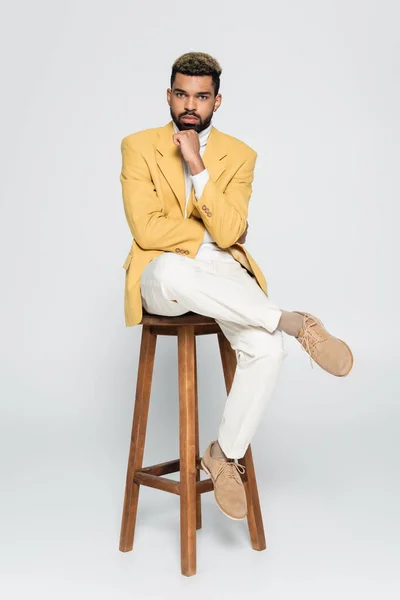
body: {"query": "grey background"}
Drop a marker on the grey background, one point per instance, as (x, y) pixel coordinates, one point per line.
(314, 88)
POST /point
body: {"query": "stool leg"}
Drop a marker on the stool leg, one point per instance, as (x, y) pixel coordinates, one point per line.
(187, 448)
(198, 496)
(254, 516)
(136, 451)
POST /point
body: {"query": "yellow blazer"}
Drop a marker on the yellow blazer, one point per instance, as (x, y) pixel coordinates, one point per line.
(154, 198)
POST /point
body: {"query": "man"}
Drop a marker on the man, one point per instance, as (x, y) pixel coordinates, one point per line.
(186, 189)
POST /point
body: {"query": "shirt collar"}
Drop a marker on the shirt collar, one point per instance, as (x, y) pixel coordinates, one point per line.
(203, 135)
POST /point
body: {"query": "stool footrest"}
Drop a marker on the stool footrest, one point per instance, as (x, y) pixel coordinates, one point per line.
(158, 482)
(171, 466)
(152, 476)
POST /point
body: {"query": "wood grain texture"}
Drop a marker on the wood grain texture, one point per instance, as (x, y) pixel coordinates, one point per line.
(187, 447)
(138, 436)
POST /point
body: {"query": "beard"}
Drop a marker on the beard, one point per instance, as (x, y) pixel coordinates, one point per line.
(198, 126)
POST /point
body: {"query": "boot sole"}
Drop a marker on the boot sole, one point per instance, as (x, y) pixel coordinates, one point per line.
(216, 501)
(352, 361)
(335, 374)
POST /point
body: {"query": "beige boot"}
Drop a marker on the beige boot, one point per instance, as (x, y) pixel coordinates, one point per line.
(229, 492)
(330, 353)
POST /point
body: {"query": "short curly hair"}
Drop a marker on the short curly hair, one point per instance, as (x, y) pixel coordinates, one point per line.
(197, 63)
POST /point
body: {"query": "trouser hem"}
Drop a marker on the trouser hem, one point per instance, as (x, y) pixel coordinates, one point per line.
(231, 451)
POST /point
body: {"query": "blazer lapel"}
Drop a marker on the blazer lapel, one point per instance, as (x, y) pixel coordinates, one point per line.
(169, 160)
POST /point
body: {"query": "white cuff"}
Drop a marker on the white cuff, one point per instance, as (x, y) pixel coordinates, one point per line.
(199, 182)
(207, 238)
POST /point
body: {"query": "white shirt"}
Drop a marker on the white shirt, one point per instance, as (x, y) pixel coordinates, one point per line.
(208, 250)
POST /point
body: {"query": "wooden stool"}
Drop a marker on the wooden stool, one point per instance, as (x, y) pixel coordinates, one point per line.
(189, 488)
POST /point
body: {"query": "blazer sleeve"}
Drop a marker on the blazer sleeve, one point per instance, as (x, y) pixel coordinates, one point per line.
(144, 211)
(224, 213)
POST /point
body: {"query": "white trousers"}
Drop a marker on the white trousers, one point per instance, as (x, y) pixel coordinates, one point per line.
(173, 284)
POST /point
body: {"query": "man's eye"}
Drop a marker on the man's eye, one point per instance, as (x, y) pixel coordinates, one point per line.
(182, 94)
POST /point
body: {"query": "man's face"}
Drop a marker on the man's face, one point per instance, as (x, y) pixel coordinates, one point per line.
(192, 96)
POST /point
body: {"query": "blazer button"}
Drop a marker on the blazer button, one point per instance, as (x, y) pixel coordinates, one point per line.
(186, 251)
(177, 249)
(204, 207)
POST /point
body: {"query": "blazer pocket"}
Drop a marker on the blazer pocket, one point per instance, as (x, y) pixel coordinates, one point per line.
(127, 261)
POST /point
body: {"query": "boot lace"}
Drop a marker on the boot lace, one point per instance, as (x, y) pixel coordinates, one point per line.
(231, 469)
(308, 337)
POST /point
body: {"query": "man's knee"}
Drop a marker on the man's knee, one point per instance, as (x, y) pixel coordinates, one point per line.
(172, 271)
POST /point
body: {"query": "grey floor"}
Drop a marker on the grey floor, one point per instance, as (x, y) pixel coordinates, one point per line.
(326, 457)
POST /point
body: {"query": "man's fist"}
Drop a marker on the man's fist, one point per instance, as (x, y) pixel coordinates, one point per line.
(189, 143)
(242, 238)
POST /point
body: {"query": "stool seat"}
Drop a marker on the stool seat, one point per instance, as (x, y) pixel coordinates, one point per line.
(162, 325)
(189, 488)
(189, 318)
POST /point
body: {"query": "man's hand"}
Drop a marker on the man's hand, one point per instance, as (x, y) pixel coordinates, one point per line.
(189, 144)
(242, 238)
